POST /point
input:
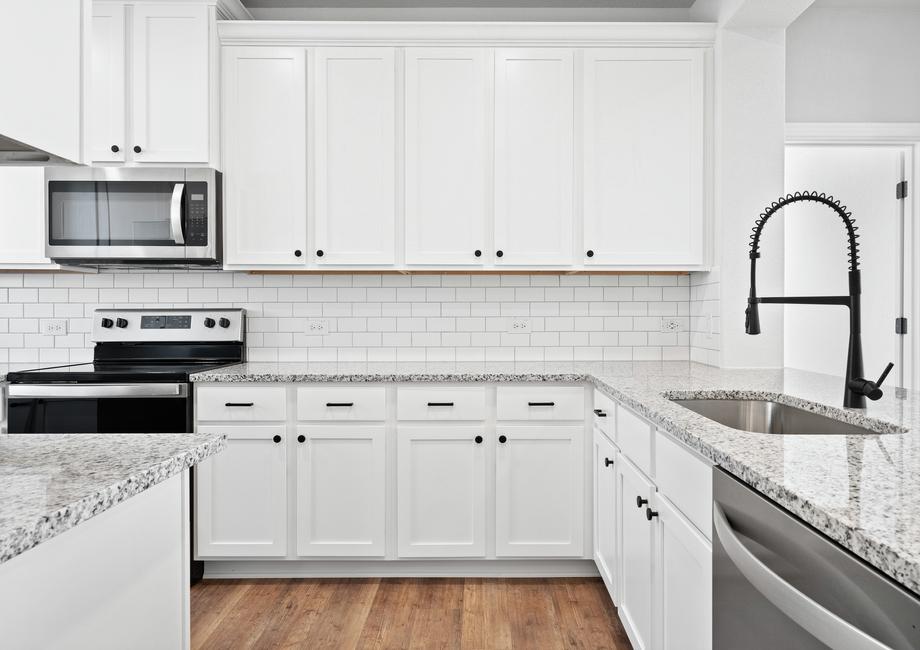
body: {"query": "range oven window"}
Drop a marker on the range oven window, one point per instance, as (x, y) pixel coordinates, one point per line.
(99, 415)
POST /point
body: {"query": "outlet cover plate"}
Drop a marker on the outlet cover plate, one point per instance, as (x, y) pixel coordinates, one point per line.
(317, 326)
(519, 326)
(53, 326)
(669, 325)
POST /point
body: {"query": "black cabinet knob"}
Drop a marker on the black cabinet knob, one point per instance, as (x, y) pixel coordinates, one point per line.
(121, 322)
(600, 413)
(276, 438)
(503, 439)
(115, 148)
(590, 253)
(607, 462)
(107, 323)
(640, 502)
(209, 322)
(478, 440)
(301, 438)
(649, 513)
(477, 253)
(499, 254)
(298, 253)
(224, 322)
(137, 148)
(320, 253)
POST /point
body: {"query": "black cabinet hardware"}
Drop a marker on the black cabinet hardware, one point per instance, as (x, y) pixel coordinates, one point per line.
(541, 403)
(298, 253)
(478, 440)
(649, 513)
(503, 439)
(440, 403)
(640, 502)
(477, 253)
(335, 404)
(276, 438)
(115, 148)
(320, 253)
(590, 253)
(301, 438)
(239, 404)
(499, 254)
(600, 413)
(137, 148)
(607, 462)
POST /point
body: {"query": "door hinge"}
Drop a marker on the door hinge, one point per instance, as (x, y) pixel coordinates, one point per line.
(900, 191)
(900, 325)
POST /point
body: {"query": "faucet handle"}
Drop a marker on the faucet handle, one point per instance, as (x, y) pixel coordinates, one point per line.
(871, 389)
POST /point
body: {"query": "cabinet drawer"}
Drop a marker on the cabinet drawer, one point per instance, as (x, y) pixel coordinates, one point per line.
(686, 480)
(441, 403)
(541, 403)
(243, 403)
(634, 437)
(605, 412)
(367, 403)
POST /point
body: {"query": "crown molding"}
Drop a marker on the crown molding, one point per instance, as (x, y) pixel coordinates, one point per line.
(852, 132)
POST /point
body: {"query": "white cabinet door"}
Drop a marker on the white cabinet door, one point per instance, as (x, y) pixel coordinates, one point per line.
(534, 123)
(242, 494)
(539, 487)
(169, 85)
(265, 160)
(636, 543)
(643, 156)
(22, 216)
(107, 84)
(447, 156)
(605, 510)
(341, 491)
(441, 491)
(685, 582)
(355, 155)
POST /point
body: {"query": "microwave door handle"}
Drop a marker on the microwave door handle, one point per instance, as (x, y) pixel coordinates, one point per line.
(175, 214)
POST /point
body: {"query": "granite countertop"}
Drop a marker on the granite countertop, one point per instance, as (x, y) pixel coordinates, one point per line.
(50, 483)
(862, 491)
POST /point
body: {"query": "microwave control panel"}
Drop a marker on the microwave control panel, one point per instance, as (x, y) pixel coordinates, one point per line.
(196, 214)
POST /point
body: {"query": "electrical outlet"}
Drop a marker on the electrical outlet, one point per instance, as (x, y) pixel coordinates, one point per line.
(669, 325)
(519, 326)
(54, 327)
(317, 326)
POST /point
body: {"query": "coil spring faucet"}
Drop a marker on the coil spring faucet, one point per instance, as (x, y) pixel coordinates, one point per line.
(857, 388)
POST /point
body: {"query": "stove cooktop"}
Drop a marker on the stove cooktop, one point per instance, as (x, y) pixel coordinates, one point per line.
(85, 373)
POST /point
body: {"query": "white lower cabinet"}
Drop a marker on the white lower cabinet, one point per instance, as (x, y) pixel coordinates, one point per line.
(605, 510)
(341, 490)
(441, 491)
(684, 581)
(242, 495)
(539, 490)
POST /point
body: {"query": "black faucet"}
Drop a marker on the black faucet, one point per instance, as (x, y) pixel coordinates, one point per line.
(857, 387)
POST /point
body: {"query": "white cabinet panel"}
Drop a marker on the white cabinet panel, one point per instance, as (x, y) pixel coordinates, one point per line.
(170, 91)
(242, 494)
(447, 157)
(441, 492)
(643, 156)
(107, 108)
(686, 479)
(605, 509)
(441, 403)
(539, 491)
(636, 543)
(234, 403)
(355, 155)
(341, 491)
(265, 160)
(540, 403)
(684, 566)
(534, 122)
(22, 216)
(342, 402)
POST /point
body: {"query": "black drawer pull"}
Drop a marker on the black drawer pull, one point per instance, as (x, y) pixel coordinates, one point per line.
(649, 513)
(541, 403)
(640, 502)
(239, 404)
(440, 403)
(276, 438)
(336, 404)
(607, 462)
(599, 413)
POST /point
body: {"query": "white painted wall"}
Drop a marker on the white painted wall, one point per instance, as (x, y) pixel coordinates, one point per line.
(849, 61)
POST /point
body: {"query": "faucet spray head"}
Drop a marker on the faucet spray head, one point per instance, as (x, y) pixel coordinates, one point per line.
(752, 317)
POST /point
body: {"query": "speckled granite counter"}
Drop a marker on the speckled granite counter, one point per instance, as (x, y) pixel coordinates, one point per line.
(862, 491)
(50, 483)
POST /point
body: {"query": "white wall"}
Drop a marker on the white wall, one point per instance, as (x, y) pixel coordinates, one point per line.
(846, 63)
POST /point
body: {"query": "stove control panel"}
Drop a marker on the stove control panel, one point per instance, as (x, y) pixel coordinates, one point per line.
(176, 325)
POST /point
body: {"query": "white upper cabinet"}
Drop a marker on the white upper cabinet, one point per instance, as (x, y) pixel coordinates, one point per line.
(265, 159)
(22, 223)
(447, 155)
(107, 89)
(534, 142)
(355, 156)
(643, 117)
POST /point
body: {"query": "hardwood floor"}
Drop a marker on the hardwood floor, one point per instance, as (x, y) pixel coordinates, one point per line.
(464, 613)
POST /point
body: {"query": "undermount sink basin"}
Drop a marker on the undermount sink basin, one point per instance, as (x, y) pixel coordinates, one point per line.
(762, 416)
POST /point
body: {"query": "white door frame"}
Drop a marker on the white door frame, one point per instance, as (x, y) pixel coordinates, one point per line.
(905, 135)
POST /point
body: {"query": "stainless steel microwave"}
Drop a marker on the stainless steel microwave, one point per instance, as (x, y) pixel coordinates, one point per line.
(108, 216)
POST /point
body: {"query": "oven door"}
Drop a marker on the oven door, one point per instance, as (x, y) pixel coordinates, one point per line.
(99, 408)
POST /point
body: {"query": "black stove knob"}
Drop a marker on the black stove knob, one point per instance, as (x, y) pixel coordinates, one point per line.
(121, 322)
(224, 322)
(209, 322)
(107, 323)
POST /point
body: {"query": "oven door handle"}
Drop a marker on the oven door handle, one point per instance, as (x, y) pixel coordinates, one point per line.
(810, 615)
(175, 214)
(90, 391)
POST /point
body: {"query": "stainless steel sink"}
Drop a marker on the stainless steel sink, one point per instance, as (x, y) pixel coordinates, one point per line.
(762, 416)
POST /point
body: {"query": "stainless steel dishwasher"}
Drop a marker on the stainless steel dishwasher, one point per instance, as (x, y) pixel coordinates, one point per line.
(778, 583)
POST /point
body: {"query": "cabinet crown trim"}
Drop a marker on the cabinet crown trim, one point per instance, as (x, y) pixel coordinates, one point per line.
(307, 33)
